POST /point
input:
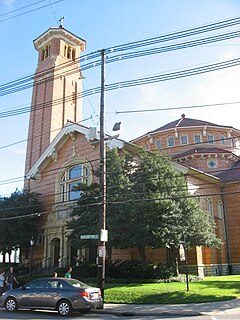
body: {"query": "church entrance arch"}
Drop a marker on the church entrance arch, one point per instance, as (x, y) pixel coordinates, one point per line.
(55, 251)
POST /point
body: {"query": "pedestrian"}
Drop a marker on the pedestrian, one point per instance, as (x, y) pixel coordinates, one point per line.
(68, 274)
(11, 279)
(2, 282)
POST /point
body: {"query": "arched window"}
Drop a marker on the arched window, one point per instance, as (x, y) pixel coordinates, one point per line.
(210, 207)
(222, 138)
(210, 138)
(220, 209)
(70, 178)
(46, 52)
(170, 141)
(184, 139)
(197, 138)
(158, 144)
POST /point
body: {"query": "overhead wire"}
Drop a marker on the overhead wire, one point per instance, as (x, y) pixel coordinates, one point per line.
(29, 11)
(126, 201)
(110, 88)
(126, 56)
(134, 82)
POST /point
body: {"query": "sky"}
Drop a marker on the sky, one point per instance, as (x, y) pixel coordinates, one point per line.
(106, 24)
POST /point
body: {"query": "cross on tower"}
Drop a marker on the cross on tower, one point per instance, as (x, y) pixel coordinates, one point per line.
(61, 22)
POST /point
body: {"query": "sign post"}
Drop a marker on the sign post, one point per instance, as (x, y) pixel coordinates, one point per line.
(183, 257)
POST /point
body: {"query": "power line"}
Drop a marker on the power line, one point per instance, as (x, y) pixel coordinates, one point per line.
(137, 82)
(29, 11)
(175, 35)
(176, 108)
(92, 55)
(126, 201)
(27, 6)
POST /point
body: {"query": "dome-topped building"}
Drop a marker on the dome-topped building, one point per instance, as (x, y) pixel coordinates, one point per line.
(210, 155)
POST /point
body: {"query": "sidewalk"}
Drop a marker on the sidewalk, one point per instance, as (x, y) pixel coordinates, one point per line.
(195, 309)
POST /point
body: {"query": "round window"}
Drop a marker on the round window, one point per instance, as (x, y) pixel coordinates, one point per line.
(212, 163)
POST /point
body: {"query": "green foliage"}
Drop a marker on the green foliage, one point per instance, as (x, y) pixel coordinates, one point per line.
(134, 270)
(18, 219)
(209, 290)
(148, 205)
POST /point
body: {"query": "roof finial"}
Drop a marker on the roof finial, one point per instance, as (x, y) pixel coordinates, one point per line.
(183, 116)
(61, 22)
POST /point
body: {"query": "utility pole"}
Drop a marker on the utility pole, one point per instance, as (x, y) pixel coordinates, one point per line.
(102, 214)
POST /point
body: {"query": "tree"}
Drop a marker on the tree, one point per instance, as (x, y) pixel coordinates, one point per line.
(18, 220)
(148, 205)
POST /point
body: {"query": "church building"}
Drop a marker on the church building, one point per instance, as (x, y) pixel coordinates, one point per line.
(61, 152)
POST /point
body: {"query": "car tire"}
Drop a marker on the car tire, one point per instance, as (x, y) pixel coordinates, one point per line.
(64, 308)
(11, 304)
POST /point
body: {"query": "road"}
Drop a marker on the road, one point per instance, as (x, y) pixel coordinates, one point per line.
(37, 315)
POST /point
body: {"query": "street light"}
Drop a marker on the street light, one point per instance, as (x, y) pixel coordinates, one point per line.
(31, 242)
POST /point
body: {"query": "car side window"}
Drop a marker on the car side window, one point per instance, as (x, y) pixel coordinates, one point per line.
(54, 284)
(35, 284)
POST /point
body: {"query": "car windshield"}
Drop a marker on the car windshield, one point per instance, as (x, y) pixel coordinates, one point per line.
(77, 284)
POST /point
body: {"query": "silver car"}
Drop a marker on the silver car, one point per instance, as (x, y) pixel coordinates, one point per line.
(61, 294)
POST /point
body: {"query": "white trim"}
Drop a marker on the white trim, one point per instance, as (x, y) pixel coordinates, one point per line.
(62, 137)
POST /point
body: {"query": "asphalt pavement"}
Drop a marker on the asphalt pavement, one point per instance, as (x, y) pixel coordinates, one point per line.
(229, 307)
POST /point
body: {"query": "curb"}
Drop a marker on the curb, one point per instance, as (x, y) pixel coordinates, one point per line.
(150, 314)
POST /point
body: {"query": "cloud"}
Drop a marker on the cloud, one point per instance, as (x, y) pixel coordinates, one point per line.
(9, 2)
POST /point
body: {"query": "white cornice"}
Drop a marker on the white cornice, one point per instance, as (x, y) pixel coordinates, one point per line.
(59, 33)
(61, 139)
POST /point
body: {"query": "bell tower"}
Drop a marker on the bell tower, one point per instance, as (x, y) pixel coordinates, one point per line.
(57, 88)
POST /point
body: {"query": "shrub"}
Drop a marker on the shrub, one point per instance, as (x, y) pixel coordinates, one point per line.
(138, 270)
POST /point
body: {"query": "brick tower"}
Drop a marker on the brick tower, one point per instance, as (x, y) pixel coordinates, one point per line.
(56, 90)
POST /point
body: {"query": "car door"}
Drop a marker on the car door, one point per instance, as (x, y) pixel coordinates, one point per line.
(31, 294)
(52, 292)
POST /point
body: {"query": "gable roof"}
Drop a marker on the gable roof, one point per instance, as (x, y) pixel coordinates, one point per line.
(91, 134)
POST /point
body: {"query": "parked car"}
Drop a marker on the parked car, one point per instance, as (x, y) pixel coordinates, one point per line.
(61, 294)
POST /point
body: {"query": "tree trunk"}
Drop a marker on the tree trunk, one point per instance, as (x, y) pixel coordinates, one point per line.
(174, 260)
(9, 256)
(4, 257)
(142, 253)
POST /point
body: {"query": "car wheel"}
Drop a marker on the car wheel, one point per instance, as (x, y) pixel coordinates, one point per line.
(11, 304)
(64, 308)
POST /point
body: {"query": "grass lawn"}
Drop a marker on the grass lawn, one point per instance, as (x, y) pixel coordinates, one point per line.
(209, 290)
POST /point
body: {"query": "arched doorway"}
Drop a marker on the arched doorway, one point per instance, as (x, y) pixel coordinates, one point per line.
(55, 251)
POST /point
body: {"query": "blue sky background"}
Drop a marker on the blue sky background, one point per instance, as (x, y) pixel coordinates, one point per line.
(109, 23)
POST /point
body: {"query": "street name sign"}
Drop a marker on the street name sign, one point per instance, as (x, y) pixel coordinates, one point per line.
(89, 236)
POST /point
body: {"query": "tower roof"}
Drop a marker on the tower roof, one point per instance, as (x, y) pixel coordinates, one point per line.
(59, 32)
